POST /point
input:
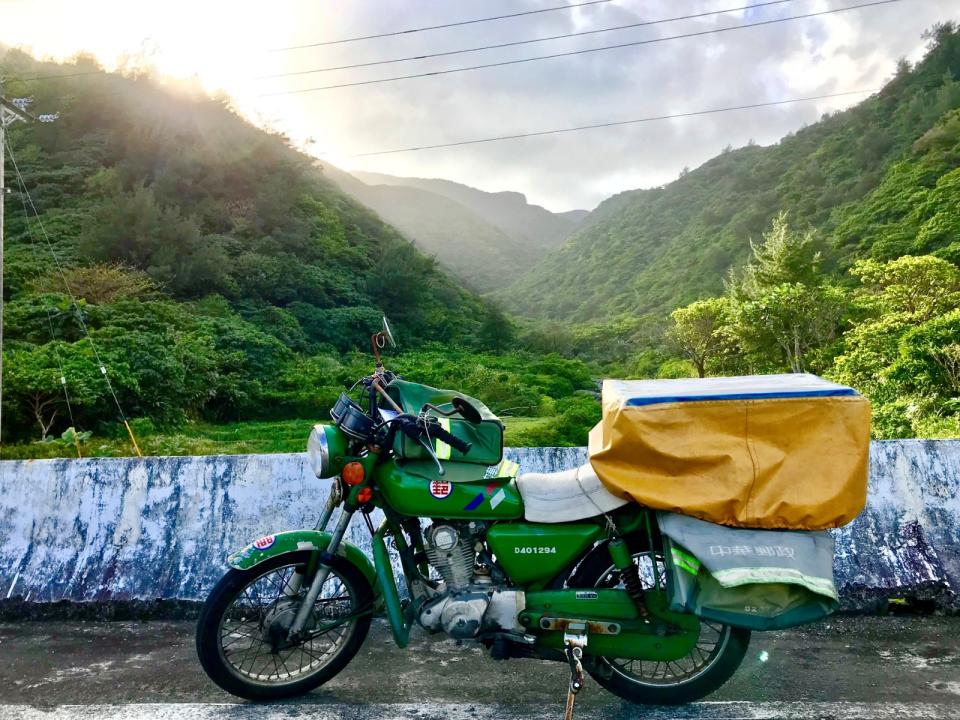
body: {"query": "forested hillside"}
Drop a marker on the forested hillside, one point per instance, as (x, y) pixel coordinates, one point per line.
(486, 239)
(218, 272)
(875, 181)
(223, 277)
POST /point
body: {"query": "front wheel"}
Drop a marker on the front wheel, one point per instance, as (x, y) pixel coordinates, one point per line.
(717, 654)
(242, 631)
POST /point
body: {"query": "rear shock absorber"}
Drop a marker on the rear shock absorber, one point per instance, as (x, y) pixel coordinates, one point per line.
(629, 573)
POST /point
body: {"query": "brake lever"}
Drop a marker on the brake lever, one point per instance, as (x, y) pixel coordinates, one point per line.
(426, 446)
(415, 428)
(423, 420)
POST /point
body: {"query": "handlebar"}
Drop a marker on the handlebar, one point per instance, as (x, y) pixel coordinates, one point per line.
(450, 439)
(419, 428)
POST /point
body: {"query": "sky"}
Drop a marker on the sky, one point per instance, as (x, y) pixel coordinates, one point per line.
(232, 46)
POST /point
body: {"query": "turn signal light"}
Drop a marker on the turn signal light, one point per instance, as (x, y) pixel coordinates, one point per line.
(353, 473)
(365, 495)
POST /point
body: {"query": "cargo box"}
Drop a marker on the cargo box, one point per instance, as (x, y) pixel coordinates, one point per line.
(762, 451)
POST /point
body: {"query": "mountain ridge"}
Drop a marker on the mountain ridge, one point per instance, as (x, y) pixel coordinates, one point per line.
(484, 238)
(476, 263)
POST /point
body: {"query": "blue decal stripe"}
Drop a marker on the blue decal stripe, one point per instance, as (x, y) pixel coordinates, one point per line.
(475, 503)
(831, 392)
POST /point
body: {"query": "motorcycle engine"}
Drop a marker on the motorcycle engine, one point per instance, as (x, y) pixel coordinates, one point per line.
(468, 599)
(450, 550)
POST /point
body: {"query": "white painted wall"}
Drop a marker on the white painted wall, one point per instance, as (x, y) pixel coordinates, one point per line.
(130, 528)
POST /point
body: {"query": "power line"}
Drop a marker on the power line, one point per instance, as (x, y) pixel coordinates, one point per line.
(57, 77)
(582, 52)
(49, 312)
(11, 111)
(615, 123)
(439, 27)
(524, 42)
(73, 299)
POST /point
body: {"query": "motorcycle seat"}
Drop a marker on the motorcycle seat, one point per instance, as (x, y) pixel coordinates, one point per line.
(565, 496)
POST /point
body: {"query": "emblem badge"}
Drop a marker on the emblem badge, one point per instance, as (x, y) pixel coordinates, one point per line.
(265, 542)
(441, 489)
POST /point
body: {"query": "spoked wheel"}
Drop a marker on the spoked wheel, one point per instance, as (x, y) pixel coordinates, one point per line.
(242, 633)
(717, 654)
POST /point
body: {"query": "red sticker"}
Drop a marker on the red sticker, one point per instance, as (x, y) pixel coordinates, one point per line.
(441, 489)
(264, 543)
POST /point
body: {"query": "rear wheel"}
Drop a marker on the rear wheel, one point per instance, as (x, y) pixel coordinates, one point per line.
(242, 631)
(717, 654)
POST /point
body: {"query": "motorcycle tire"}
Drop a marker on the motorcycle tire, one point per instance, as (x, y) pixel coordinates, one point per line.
(209, 638)
(719, 665)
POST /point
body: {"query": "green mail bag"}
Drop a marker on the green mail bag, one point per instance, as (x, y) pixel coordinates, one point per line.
(754, 579)
(486, 438)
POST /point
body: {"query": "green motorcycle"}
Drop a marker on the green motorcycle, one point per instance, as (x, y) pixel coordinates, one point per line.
(548, 566)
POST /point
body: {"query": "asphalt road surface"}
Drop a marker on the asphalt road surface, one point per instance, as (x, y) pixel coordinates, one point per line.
(848, 667)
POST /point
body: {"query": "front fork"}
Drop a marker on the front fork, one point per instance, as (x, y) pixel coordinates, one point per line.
(292, 588)
(323, 569)
(332, 501)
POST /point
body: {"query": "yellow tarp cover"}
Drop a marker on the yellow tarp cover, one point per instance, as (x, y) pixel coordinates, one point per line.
(764, 451)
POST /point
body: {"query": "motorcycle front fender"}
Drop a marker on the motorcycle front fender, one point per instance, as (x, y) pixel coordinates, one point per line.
(293, 541)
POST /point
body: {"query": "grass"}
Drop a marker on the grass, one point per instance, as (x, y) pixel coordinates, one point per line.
(517, 428)
(281, 436)
(193, 439)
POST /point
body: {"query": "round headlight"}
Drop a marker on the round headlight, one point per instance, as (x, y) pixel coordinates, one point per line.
(326, 447)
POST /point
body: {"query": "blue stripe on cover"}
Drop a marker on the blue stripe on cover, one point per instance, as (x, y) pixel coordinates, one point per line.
(830, 392)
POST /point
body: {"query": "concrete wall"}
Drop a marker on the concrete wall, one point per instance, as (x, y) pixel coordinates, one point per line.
(128, 528)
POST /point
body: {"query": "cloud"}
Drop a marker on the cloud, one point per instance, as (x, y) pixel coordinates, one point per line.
(833, 53)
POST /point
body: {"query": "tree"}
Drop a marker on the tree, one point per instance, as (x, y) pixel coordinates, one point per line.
(783, 313)
(869, 349)
(929, 362)
(343, 328)
(126, 228)
(34, 387)
(784, 256)
(496, 331)
(546, 336)
(695, 331)
(905, 354)
(100, 283)
(922, 287)
(791, 319)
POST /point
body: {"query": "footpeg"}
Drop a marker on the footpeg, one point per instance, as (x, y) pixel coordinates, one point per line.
(574, 640)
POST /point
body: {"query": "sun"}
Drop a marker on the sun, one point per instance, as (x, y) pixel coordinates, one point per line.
(221, 46)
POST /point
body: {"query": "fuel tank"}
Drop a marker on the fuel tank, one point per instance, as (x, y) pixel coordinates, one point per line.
(464, 492)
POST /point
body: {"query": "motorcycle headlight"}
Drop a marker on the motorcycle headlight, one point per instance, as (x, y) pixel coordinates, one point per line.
(326, 448)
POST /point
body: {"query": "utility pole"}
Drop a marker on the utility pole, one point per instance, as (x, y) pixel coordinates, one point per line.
(10, 112)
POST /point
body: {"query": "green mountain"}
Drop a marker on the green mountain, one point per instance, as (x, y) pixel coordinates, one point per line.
(876, 180)
(463, 242)
(219, 273)
(486, 239)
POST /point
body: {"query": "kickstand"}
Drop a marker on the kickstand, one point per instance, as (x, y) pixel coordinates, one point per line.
(574, 655)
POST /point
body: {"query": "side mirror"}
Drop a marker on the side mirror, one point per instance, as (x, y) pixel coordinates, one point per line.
(380, 340)
(388, 333)
(467, 411)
